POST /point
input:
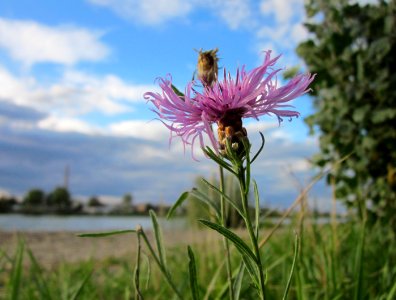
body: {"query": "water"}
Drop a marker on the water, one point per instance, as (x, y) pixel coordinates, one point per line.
(14, 222)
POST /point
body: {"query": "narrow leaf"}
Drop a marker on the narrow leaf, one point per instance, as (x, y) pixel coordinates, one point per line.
(41, 283)
(392, 293)
(136, 281)
(251, 270)
(359, 263)
(81, 286)
(16, 273)
(205, 199)
(215, 276)
(296, 250)
(179, 202)
(102, 234)
(158, 239)
(257, 208)
(209, 152)
(238, 281)
(193, 274)
(236, 240)
(177, 92)
(228, 199)
(261, 148)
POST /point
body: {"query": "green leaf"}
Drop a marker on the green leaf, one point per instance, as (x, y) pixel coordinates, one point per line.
(39, 280)
(209, 152)
(260, 149)
(103, 234)
(215, 276)
(257, 208)
(252, 271)
(358, 267)
(177, 92)
(81, 286)
(392, 293)
(228, 199)
(360, 113)
(179, 202)
(158, 239)
(238, 280)
(383, 115)
(296, 250)
(193, 274)
(16, 271)
(136, 273)
(205, 199)
(236, 240)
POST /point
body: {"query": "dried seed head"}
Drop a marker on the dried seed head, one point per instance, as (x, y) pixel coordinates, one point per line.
(139, 228)
(207, 66)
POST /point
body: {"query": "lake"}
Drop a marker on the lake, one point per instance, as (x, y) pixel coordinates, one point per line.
(16, 222)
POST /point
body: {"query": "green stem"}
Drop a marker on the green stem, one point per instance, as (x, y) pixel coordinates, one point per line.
(162, 268)
(138, 294)
(225, 240)
(244, 186)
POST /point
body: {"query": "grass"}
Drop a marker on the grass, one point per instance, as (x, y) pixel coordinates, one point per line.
(334, 261)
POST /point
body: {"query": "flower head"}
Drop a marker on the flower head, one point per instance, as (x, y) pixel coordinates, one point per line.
(249, 95)
(207, 66)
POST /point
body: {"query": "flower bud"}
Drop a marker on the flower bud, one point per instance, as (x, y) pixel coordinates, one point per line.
(230, 131)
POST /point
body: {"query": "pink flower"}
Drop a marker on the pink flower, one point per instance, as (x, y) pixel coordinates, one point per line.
(248, 95)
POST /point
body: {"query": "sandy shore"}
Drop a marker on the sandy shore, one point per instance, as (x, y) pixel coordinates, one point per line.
(53, 248)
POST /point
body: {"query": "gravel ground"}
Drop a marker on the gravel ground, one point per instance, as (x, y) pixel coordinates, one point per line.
(53, 248)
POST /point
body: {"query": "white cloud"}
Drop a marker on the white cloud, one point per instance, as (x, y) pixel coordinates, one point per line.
(260, 126)
(66, 125)
(235, 13)
(283, 10)
(153, 130)
(150, 12)
(30, 42)
(74, 94)
(285, 30)
(299, 32)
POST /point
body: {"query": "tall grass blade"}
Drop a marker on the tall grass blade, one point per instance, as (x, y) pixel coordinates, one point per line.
(238, 281)
(179, 202)
(41, 283)
(392, 293)
(359, 264)
(212, 282)
(103, 234)
(81, 286)
(16, 272)
(296, 250)
(192, 268)
(301, 197)
(236, 240)
(158, 239)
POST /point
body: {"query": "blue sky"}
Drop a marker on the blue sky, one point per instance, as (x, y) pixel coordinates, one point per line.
(73, 73)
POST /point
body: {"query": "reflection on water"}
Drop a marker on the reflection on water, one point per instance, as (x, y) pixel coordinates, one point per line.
(80, 223)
